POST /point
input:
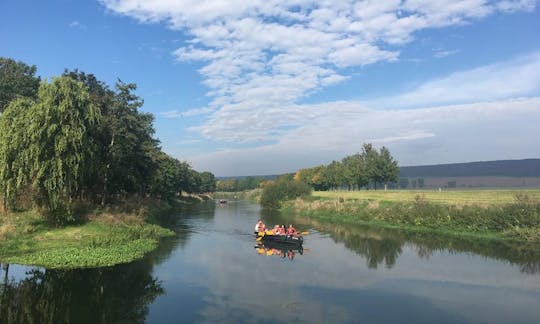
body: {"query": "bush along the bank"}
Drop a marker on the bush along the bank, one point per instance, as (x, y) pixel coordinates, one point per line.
(276, 192)
(520, 220)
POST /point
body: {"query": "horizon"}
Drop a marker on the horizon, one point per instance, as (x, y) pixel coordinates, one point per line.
(272, 87)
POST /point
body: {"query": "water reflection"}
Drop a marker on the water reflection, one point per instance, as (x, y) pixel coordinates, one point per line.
(281, 251)
(105, 295)
(384, 246)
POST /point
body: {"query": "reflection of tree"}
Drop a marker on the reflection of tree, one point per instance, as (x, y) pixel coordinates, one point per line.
(104, 295)
(175, 218)
(374, 248)
(379, 245)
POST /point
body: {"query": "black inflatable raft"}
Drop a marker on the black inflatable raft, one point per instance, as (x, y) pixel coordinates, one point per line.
(285, 240)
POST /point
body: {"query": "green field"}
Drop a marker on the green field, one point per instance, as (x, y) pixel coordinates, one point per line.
(26, 238)
(478, 197)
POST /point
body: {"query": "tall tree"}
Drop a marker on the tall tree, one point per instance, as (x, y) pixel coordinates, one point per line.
(208, 182)
(333, 175)
(371, 159)
(16, 80)
(389, 170)
(50, 147)
(356, 170)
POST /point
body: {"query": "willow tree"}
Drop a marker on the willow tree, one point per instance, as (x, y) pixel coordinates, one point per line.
(46, 144)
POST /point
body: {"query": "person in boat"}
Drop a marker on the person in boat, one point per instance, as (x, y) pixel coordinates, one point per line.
(292, 231)
(275, 230)
(282, 230)
(260, 227)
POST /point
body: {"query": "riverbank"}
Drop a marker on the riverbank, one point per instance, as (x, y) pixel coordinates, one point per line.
(106, 237)
(518, 220)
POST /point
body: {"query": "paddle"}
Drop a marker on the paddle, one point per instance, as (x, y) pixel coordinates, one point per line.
(305, 233)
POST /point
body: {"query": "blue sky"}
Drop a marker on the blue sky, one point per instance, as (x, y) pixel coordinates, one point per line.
(262, 87)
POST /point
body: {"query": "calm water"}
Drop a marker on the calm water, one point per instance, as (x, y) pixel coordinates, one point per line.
(212, 271)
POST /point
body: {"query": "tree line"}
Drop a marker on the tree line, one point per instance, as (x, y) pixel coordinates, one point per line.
(239, 184)
(367, 169)
(75, 138)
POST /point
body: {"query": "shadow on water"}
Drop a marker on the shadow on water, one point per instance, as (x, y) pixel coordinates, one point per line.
(104, 295)
(384, 246)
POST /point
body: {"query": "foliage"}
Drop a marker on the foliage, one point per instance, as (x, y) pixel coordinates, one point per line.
(16, 80)
(239, 184)
(353, 172)
(77, 139)
(276, 192)
(52, 149)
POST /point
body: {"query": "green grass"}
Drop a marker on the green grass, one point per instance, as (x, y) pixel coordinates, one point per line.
(490, 214)
(478, 197)
(26, 238)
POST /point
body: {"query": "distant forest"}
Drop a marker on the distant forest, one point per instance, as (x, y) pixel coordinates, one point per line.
(501, 168)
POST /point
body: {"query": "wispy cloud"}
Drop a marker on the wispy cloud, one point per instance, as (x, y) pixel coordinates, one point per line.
(513, 78)
(455, 133)
(262, 57)
(442, 54)
(186, 113)
(76, 24)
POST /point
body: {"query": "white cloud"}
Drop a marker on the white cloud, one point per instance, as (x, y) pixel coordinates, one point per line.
(479, 131)
(513, 78)
(262, 57)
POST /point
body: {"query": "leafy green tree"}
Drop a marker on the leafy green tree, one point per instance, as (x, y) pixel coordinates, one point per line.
(356, 170)
(333, 175)
(50, 147)
(276, 192)
(16, 80)
(389, 170)
(166, 179)
(208, 182)
(228, 185)
(372, 166)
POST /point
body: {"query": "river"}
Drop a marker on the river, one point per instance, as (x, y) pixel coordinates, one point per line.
(213, 271)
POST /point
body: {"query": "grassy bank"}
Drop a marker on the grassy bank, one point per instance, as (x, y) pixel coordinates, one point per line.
(104, 239)
(475, 197)
(513, 215)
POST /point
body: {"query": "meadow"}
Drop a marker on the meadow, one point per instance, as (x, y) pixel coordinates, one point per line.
(491, 214)
(471, 197)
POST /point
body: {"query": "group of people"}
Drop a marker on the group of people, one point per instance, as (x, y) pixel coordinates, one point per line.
(276, 230)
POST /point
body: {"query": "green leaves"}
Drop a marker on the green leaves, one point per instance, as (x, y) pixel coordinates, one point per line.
(43, 143)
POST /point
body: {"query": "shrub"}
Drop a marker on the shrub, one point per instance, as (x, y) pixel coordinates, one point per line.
(275, 193)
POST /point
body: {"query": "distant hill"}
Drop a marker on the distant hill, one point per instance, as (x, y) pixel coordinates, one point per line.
(267, 177)
(501, 168)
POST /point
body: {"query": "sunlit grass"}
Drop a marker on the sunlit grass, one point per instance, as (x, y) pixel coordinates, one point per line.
(100, 242)
(478, 197)
(501, 214)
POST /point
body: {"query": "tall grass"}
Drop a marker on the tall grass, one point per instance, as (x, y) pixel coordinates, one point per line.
(476, 197)
(518, 220)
